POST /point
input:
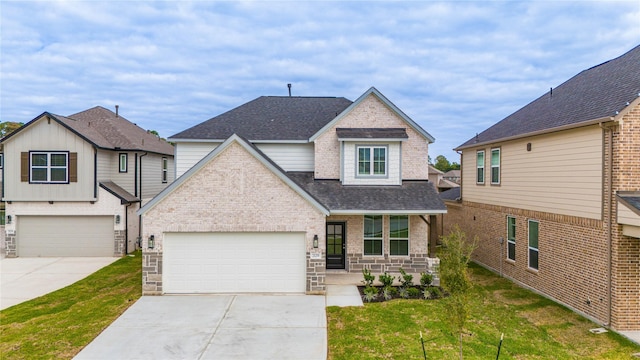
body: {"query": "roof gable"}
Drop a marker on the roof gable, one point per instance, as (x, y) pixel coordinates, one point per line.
(270, 118)
(596, 94)
(374, 92)
(252, 150)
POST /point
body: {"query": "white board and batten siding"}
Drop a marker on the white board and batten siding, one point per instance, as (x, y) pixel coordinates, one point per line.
(234, 262)
(627, 216)
(562, 174)
(290, 157)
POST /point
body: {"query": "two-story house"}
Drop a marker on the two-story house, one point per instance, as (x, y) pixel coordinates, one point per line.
(276, 192)
(553, 193)
(72, 184)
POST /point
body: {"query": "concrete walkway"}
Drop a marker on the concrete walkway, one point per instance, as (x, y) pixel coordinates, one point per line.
(23, 279)
(343, 295)
(216, 327)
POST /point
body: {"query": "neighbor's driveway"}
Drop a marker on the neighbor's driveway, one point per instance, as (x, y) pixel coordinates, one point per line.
(23, 279)
(216, 327)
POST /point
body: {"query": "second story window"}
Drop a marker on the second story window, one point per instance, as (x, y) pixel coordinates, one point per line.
(164, 169)
(49, 167)
(480, 167)
(123, 163)
(495, 166)
(372, 160)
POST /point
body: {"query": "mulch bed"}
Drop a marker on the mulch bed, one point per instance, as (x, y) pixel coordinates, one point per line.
(396, 295)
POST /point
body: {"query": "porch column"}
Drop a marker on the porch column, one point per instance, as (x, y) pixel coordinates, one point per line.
(433, 235)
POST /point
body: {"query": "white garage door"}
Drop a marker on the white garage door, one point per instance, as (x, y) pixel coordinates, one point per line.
(65, 236)
(234, 262)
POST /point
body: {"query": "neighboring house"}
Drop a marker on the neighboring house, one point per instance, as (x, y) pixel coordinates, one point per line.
(277, 192)
(453, 176)
(437, 179)
(74, 183)
(553, 193)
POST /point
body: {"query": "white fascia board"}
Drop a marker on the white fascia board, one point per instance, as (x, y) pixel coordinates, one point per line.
(387, 212)
(373, 139)
(252, 141)
(195, 140)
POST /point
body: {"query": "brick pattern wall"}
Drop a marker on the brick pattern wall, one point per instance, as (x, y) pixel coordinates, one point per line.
(119, 242)
(234, 192)
(371, 113)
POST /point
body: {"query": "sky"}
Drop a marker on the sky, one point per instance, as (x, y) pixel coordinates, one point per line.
(454, 67)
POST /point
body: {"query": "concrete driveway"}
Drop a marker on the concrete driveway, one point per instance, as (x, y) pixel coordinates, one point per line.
(23, 279)
(216, 327)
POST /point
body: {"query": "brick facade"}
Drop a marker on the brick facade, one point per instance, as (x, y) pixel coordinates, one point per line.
(586, 264)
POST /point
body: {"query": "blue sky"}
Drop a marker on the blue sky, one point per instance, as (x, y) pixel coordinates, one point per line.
(454, 67)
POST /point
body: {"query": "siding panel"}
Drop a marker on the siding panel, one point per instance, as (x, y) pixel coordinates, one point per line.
(561, 174)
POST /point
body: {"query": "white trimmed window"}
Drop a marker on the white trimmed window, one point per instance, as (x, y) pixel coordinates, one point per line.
(165, 166)
(511, 238)
(399, 235)
(372, 160)
(49, 167)
(373, 234)
(533, 244)
(495, 166)
(1, 160)
(123, 162)
(480, 167)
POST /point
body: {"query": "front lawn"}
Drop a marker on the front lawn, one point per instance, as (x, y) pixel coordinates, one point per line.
(58, 325)
(534, 328)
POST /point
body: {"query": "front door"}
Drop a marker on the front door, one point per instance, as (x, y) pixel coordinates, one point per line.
(336, 245)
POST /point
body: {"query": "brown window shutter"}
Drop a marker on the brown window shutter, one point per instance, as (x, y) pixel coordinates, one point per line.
(24, 166)
(73, 167)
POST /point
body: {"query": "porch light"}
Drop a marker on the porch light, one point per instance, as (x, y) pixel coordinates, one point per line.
(117, 219)
(152, 242)
(9, 218)
(315, 241)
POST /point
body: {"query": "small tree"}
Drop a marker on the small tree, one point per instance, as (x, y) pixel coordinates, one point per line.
(454, 278)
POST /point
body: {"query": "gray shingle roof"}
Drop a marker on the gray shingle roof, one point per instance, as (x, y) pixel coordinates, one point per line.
(411, 196)
(632, 200)
(122, 194)
(372, 133)
(595, 93)
(270, 118)
(452, 194)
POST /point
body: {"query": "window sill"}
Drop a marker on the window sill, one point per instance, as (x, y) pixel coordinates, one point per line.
(533, 271)
(509, 261)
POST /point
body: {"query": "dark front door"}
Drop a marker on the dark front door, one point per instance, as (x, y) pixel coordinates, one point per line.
(336, 245)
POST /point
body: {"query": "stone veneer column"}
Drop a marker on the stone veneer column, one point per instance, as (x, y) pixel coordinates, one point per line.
(152, 273)
(10, 246)
(316, 273)
(118, 242)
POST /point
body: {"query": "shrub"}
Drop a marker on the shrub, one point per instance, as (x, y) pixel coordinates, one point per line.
(403, 292)
(426, 293)
(406, 280)
(386, 279)
(435, 292)
(388, 292)
(413, 292)
(368, 278)
(370, 293)
(426, 279)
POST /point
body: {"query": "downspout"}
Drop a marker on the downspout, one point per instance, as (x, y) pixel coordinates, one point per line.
(126, 229)
(609, 176)
(140, 197)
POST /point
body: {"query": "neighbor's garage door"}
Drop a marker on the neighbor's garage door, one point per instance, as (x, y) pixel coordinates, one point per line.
(65, 236)
(234, 262)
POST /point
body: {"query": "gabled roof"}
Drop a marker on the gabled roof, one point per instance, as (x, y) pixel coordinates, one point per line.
(452, 194)
(255, 152)
(631, 200)
(373, 91)
(412, 197)
(434, 170)
(105, 130)
(270, 118)
(596, 94)
(122, 194)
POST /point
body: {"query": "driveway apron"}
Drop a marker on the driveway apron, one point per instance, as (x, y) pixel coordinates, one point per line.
(216, 327)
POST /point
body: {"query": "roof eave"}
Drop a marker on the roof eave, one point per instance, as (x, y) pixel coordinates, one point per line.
(387, 212)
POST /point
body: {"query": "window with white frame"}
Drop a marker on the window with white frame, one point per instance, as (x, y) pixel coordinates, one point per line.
(49, 167)
(372, 160)
(123, 162)
(1, 160)
(533, 244)
(165, 165)
(480, 167)
(399, 235)
(373, 234)
(495, 166)
(511, 238)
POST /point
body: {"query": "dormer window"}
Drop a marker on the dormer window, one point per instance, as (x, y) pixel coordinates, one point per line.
(372, 160)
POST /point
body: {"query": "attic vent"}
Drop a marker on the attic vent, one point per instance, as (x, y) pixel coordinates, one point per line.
(117, 106)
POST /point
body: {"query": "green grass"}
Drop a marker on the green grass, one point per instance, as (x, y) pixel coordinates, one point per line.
(534, 328)
(58, 325)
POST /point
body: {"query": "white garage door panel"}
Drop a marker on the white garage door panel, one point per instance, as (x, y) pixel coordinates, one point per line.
(65, 236)
(234, 262)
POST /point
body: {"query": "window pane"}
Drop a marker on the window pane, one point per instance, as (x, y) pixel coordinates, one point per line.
(38, 174)
(495, 157)
(58, 159)
(480, 159)
(399, 226)
(511, 228)
(373, 247)
(480, 175)
(39, 159)
(399, 247)
(533, 259)
(495, 174)
(511, 250)
(364, 163)
(373, 226)
(533, 234)
(59, 174)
